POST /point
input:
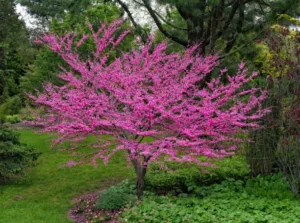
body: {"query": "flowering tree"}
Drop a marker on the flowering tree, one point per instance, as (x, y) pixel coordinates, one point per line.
(146, 93)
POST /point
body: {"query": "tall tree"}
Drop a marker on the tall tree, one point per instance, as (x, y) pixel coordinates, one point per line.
(45, 67)
(210, 21)
(47, 10)
(15, 49)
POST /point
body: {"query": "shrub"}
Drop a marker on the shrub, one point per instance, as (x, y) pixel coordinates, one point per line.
(12, 119)
(184, 177)
(11, 107)
(288, 155)
(117, 197)
(272, 186)
(14, 156)
(26, 113)
(261, 152)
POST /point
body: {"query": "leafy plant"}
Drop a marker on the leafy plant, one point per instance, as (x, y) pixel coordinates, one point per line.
(260, 152)
(117, 197)
(288, 153)
(11, 107)
(12, 119)
(272, 186)
(186, 177)
(284, 45)
(229, 201)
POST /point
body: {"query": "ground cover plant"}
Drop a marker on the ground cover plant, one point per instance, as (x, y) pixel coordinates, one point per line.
(258, 200)
(146, 93)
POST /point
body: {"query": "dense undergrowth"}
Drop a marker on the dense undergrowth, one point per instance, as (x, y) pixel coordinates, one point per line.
(184, 193)
(262, 199)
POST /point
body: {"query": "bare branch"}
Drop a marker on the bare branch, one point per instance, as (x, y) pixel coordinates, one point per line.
(168, 23)
(229, 3)
(230, 18)
(161, 17)
(241, 47)
(160, 26)
(135, 24)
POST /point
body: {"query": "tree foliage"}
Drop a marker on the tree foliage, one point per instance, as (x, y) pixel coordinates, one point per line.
(15, 156)
(45, 67)
(15, 51)
(216, 24)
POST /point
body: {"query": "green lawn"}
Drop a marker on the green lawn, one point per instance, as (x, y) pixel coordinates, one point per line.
(45, 193)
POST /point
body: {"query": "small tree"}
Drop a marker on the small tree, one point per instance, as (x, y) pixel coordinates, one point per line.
(15, 156)
(284, 45)
(146, 93)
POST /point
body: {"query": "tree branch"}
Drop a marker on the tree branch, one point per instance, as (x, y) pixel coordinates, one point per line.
(168, 23)
(230, 18)
(241, 47)
(161, 17)
(239, 28)
(135, 24)
(229, 3)
(160, 26)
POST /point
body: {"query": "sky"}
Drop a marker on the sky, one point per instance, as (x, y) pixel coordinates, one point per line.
(29, 20)
(139, 15)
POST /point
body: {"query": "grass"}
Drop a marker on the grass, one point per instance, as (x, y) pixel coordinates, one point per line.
(45, 193)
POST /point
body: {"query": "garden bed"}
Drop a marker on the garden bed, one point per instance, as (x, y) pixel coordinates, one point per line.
(84, 210)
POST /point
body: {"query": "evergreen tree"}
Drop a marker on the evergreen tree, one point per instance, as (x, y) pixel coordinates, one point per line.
(15, 50)
(213, 22)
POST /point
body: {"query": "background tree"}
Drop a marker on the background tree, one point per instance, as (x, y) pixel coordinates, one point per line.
(279, 59)
(15, 156)
(147, 100)
(45, 67)
(213, 22)
(285, 49)
(46, 10)
(16, 52)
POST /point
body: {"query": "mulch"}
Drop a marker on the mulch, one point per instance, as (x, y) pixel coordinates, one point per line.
(84, 210)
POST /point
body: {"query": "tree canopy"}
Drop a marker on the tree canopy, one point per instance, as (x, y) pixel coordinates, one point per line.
(213, 23)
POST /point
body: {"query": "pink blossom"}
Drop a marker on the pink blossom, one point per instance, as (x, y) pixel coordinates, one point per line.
(146, 100)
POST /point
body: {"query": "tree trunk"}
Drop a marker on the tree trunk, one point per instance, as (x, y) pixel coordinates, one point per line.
(140, 171)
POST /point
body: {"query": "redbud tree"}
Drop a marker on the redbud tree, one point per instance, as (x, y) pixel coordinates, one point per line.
(146, 93)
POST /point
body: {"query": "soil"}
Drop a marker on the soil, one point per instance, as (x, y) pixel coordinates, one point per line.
(84, 211)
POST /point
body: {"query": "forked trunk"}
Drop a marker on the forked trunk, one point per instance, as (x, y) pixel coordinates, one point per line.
(140, 171)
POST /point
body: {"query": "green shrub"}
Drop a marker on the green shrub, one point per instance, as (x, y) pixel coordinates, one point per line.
(12, 119)
(11, 107)
(14, 156)
(117, 197)
(261, 151)
(225, 202)
(185, 177)
(27, 114)
(288, 157)
(272, 186)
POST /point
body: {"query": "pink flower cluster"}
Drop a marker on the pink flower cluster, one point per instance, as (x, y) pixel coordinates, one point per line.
(147, 93)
